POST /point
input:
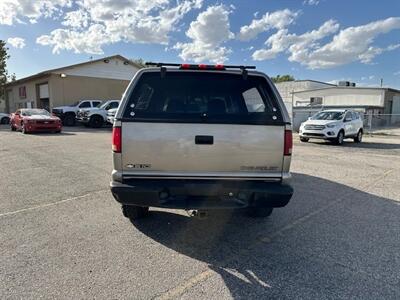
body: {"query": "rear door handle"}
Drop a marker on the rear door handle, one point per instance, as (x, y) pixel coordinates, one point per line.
(204, 139)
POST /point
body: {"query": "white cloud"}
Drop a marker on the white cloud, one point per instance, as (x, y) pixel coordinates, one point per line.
(12, 11)
(279, 19)
(76, 19)
(100, 22)
(88, 41)
(396, 73)
(297, 45)
(16, 42)
(349, 45)
(208, 32)
(311, 2)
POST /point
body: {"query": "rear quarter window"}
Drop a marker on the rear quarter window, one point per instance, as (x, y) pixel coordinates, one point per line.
(202, 97)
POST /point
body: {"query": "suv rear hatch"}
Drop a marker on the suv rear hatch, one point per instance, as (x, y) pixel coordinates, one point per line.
(201, 124)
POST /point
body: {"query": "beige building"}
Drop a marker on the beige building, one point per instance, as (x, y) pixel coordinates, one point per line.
(101, 79)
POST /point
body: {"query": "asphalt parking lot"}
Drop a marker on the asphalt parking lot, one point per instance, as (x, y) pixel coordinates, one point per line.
(63, 236)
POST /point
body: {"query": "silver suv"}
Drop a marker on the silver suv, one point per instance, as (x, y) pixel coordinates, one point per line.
(200, 137)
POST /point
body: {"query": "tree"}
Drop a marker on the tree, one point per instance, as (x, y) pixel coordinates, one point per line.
(3, 68)
(140, 62)
(282, 78)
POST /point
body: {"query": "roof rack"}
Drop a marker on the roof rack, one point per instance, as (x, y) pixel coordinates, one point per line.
(199, 66)
(217, 67)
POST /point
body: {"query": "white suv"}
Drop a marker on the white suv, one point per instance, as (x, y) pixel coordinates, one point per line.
(333, 125)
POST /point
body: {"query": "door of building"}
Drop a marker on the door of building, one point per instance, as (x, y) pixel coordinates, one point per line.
(43, 93)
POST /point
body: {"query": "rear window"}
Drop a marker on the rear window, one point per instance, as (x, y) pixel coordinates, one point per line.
(202, 97)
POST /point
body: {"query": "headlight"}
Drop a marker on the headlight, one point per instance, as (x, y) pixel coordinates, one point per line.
(331, 125)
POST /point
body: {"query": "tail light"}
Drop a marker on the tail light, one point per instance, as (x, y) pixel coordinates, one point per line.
(116, 139)
(288, 143)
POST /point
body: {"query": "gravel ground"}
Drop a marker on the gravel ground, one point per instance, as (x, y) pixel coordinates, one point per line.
(63, 236)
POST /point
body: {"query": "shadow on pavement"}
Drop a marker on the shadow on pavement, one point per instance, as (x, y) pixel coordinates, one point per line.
(363, 145)
(331, 241)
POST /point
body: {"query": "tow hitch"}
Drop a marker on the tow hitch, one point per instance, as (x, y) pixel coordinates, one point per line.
(200, 214)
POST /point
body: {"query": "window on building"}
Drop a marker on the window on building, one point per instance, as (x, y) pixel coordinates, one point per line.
(315, 100)
(22, 92)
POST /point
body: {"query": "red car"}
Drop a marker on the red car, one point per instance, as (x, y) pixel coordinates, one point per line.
(34, 120)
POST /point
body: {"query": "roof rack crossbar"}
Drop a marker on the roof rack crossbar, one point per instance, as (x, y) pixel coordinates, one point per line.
(160, 64)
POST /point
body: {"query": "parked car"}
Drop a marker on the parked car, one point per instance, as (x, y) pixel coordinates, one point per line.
(30, 120)
(4, 118)
(195, 138)
(96, 116)
(68, 113)
(110, 115)
(333, 125)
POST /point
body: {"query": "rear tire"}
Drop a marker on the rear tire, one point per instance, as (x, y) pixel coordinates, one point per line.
(96, 121)
(340, 138)
(304, 140)
(12, 127)
(259, 212)
(69, 120)
(133, 212)
(358, 138)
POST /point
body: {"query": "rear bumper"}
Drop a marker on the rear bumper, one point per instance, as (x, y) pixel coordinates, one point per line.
(201, 194)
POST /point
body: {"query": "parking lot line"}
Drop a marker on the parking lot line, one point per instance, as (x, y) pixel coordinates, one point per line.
(202, 276)
(50, 204)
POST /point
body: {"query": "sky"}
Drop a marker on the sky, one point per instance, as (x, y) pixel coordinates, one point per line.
(326, 40)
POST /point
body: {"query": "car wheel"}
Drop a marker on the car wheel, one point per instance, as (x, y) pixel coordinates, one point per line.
(303, 139)
(69, 120)
(259, 212)
(358, 138)
(133, 212)
(340, 138)
(12, 127)
(96, 121)
(5, 120)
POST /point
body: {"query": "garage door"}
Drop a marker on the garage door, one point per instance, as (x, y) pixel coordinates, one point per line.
(43, 91)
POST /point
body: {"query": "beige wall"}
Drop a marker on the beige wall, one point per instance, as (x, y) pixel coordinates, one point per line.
(67, 90)
(12, 93)
(63, 91)
(343, 96)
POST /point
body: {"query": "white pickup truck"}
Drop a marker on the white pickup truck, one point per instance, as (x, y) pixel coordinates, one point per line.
(96, 116)
(67, 113)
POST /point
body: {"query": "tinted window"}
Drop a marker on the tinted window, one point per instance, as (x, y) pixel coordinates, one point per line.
(96, 103)
(113, 105)
(202, 97)
(84, 104)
